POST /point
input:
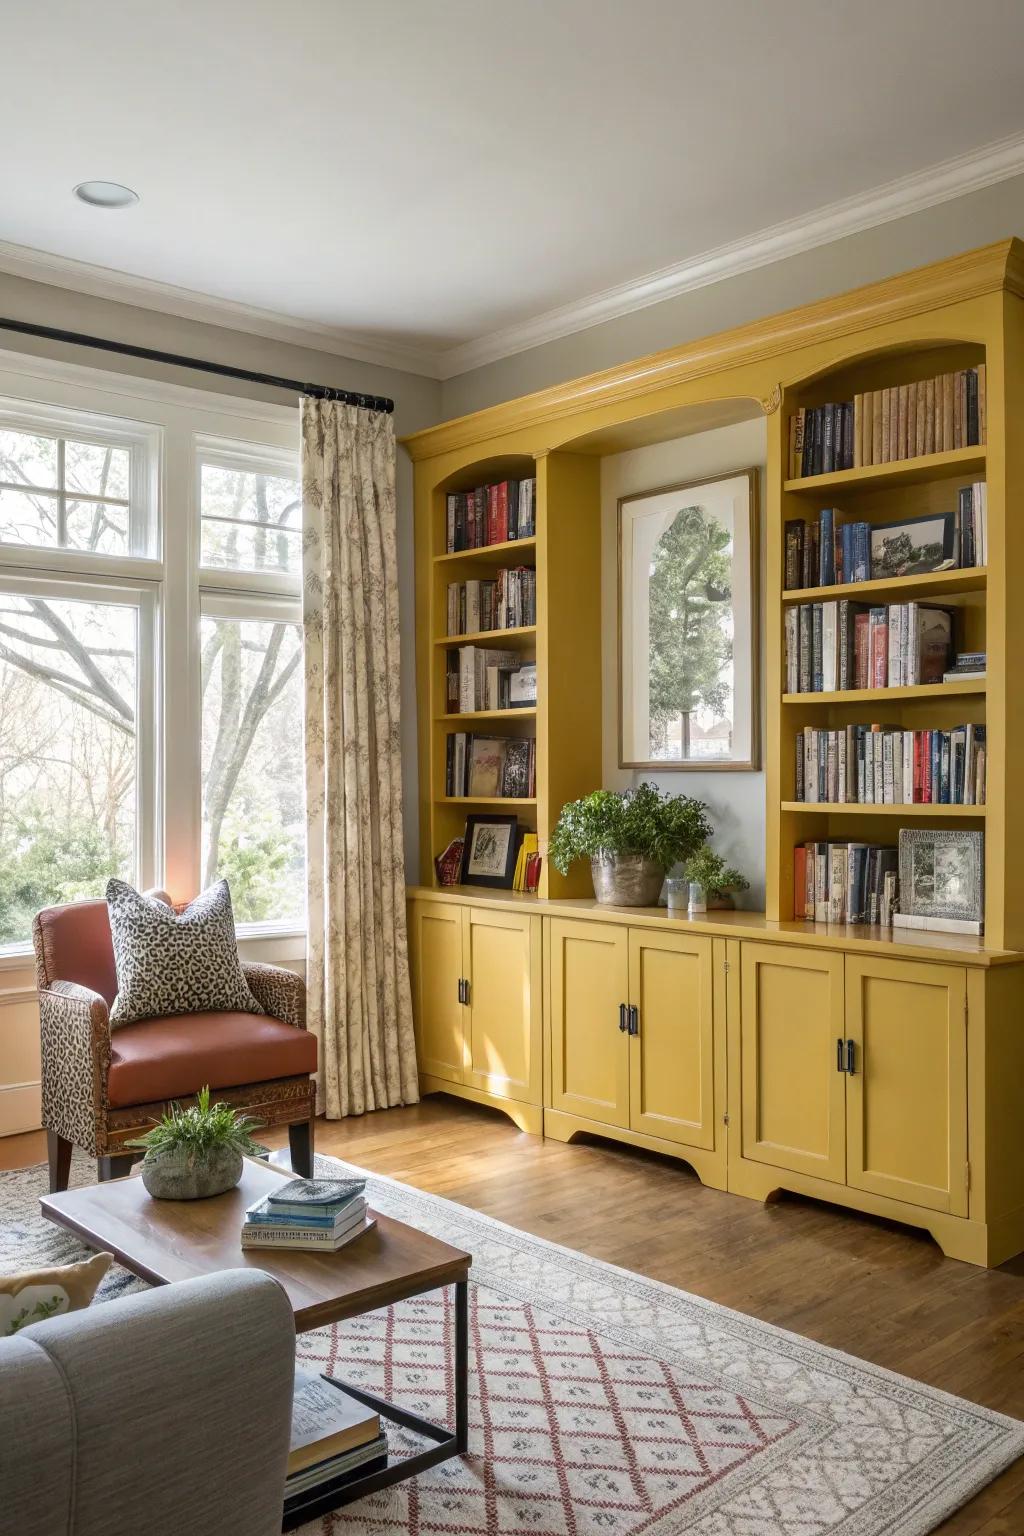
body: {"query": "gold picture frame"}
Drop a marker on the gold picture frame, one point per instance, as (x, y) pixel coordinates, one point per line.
(640, 516)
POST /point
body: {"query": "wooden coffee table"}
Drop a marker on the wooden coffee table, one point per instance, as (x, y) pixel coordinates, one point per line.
(167, 1240)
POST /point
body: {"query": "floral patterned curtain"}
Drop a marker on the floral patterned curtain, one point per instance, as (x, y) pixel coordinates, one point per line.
(357, 967)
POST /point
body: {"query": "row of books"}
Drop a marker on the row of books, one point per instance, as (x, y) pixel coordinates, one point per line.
(481, 678)
(528, 862)
(509, 601)
(490, 767)
(308, 1214)
(829, 552)
(842, 644)
(885, 765)
(881, 426)
(491, 514)
(845, 882)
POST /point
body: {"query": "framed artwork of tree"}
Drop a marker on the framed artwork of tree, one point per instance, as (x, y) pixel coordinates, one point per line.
(688, 625)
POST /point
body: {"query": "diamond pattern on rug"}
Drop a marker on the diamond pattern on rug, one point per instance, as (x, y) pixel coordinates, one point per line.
(571, 1432)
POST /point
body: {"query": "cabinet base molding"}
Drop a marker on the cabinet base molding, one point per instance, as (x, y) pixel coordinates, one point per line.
(708, 1166)
(957, 1236)
(528, 1117)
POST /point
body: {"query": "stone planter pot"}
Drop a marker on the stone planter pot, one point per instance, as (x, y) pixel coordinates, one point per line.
(170, 1176)
(721, 901)
(626, 880)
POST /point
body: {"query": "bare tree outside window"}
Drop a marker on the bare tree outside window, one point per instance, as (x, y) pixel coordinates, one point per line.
(68, 680)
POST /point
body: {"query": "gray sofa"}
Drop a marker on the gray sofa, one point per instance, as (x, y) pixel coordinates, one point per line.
(166, 1413)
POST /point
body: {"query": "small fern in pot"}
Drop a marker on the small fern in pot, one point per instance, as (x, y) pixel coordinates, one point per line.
(716, 879)
(196, 1152)
(631, 839)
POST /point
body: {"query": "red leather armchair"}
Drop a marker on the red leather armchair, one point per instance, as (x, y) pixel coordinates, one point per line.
(101, 1088)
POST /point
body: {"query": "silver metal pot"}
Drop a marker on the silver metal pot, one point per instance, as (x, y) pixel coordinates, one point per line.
(626, 879)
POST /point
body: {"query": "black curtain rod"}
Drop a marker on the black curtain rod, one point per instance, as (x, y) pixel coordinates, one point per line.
(223, 370)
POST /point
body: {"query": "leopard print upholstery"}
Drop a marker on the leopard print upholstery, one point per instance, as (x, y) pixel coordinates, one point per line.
(75, 1038)
(280, 993)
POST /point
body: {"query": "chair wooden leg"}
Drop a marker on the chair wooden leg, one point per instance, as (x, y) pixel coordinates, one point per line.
(114, 1167)
(300, 1145)
(58, 1155)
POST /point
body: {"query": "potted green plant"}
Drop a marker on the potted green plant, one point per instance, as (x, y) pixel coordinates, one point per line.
(717, 880)
(632, 839)
(195, 1152)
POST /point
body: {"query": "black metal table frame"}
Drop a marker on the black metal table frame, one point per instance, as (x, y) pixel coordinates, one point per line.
(447, 1442)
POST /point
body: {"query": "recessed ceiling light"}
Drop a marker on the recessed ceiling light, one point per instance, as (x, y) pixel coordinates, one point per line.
(105, 194)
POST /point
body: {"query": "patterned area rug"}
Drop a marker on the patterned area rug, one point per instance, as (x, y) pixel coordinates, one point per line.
(603, 1404)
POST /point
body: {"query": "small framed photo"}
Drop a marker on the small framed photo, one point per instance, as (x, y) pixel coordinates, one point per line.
(489, 854)
(942, 875)
(914, 546)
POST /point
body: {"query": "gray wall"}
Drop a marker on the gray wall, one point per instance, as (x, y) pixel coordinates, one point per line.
(945, 230)
(417, 404)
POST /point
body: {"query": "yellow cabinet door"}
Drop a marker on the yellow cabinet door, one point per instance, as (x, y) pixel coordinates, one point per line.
(906, 1097)
(588, 983)
(503, 1017)
(435, 954)
(792, 1093)
(671, 1069)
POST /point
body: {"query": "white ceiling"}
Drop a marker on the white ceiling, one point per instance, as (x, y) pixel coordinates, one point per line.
(421, 174)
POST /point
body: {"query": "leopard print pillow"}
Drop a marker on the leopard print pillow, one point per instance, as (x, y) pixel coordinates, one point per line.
(175, 962)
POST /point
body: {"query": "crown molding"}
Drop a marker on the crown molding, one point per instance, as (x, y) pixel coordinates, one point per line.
(988, 269)
(185, 304)
(940, 183)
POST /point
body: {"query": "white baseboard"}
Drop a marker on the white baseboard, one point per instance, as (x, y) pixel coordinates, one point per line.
(20, 1108)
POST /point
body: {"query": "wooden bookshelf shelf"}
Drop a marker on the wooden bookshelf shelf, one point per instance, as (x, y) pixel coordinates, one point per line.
(523, 632)
(489, 554)
(527, 713)
(959, 463)
(899, 588)
(851, 808)
(486, 800)
(890, 695)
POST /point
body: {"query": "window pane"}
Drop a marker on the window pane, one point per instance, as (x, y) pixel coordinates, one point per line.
(98, 526)
(261, 520)
(253, 806)
(28, 517)
(96, 470)
(26, 459)
(67, 753)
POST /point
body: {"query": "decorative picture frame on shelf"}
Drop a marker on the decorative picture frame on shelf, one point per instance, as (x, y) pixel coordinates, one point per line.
(489, 852)
(942, 879)
(689, 560)
(915, 546)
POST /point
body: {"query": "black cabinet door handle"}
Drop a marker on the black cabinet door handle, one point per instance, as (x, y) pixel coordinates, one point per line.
(634, 1019)
(623, 1017)
(840, 1063)
(849, 1057)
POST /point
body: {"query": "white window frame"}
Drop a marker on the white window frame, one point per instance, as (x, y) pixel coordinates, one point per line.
(245, 459)
(169, 423)
(83, 426)
(144, 598)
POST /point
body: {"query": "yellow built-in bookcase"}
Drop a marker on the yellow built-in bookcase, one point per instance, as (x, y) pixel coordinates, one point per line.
(565, 643)
(949, 316)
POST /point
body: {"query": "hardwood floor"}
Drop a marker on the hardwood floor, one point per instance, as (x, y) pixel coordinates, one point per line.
(876, 1290)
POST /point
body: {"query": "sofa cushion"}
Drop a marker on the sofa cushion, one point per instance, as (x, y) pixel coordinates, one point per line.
(175, 961)
(170, 1058)
(40, 1293)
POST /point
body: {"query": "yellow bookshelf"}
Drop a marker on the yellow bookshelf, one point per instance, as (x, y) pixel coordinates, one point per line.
(733, 1067)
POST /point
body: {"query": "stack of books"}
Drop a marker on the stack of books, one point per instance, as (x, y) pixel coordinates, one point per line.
(830, 552)
(490, 767)
(311, 1215)
(845, 882)
(491, 514)
(333, 1437)
(840, 645)
(886, 765)
(967, 664)
(482, 679)
(507, 602)
(881, 426)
